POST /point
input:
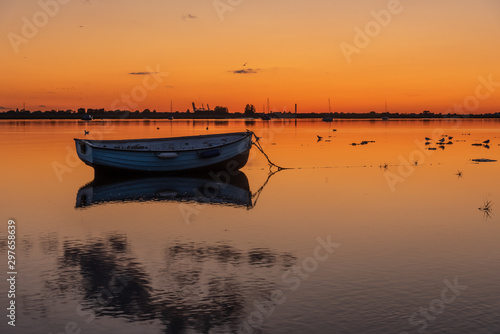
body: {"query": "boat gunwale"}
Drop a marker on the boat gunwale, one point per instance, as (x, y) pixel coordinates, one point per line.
(91, 142)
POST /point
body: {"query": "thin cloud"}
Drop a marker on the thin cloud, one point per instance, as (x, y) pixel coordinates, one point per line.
(189, 16)
(42, 106)
(142, 73)
(246, 71)
(5, 108)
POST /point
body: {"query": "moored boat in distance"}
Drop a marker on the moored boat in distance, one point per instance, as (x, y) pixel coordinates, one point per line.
(87, 117)
(167, 155)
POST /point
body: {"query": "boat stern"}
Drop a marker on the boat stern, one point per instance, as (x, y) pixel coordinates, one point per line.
(84, 151)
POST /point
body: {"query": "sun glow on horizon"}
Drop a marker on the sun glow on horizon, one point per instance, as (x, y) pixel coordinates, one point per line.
(424, 56)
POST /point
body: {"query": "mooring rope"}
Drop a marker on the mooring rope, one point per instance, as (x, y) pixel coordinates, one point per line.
(259, 147)
(256, 195)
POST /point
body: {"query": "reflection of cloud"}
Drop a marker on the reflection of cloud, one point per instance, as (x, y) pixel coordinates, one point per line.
(142, 73)
(246, 71)
(111, 281)
(219, 281)
(200, 286)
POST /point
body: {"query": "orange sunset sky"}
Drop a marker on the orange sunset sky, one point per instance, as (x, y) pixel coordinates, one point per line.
(424, 55)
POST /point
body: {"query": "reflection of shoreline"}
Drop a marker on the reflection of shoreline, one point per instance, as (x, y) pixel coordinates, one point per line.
(200, 189)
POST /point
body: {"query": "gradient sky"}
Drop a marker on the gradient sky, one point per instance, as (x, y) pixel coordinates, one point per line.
(429, 56)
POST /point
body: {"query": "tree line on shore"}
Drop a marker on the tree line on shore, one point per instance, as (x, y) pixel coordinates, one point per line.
(222, 112)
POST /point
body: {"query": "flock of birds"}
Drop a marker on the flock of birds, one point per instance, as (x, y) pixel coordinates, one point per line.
(445, 140)
(441, 143)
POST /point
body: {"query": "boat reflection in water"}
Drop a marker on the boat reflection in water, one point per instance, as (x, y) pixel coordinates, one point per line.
(202, 189)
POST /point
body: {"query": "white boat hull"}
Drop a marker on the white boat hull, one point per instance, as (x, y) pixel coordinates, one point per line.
(167, 155)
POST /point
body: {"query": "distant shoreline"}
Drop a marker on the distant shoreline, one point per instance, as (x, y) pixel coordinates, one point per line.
(207, 115)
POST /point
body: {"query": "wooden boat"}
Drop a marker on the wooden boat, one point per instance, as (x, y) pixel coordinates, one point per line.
(167, 155)
(232, 192)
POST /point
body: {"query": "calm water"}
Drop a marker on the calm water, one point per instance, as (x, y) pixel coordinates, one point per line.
(385, 237)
